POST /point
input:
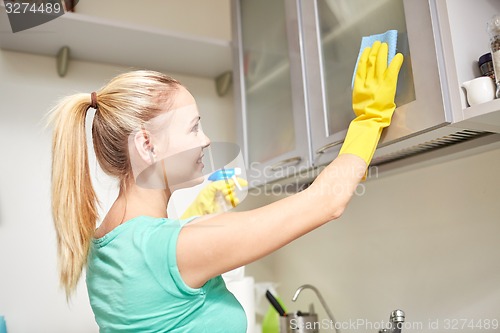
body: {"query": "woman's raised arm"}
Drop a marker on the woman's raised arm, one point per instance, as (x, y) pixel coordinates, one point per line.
(216, 244)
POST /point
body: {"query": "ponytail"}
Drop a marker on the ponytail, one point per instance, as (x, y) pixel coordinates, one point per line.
(74, 201)
(126, 102)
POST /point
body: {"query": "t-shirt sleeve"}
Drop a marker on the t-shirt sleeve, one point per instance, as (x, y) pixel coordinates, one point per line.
(159, 245)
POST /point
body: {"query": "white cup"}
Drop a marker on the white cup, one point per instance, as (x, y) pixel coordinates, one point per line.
(479, 90)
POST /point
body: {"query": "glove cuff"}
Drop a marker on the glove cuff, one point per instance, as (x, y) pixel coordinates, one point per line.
(362, 139)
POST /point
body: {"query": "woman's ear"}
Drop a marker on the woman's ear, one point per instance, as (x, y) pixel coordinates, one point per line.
(144, 146)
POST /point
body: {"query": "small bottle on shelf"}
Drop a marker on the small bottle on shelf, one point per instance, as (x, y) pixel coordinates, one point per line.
(485, 65)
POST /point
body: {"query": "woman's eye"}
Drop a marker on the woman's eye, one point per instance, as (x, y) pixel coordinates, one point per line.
(196, 127)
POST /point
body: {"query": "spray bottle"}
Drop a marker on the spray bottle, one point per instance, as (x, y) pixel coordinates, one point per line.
(225, 174)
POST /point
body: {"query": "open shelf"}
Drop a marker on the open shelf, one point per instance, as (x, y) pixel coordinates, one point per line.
(483, 108)
(113, 42)
(485, 116)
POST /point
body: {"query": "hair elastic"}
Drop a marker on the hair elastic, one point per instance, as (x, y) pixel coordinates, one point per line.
(93, 100)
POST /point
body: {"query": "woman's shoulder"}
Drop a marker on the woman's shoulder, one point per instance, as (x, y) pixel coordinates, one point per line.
(106, 231)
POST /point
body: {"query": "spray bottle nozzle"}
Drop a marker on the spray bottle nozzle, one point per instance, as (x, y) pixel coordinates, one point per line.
(224, 173)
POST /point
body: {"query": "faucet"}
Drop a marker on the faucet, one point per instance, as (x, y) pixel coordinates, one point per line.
(397, 319)
(322, 301)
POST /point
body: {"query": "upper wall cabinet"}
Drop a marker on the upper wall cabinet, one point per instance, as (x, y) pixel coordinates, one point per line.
(317, 74)
(270, 88)
(333, 30)
(121, 43)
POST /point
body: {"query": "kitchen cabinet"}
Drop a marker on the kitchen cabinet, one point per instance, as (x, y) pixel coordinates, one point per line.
(441, 41)
(270, 88)
(429, 114)
(333, 32)
(328, 35)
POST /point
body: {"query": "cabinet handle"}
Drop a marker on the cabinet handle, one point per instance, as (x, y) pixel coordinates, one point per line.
(286, 163)
(329, 146)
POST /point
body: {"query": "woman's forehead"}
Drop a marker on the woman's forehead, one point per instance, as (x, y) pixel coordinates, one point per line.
(181, 117)
(182, 98)
(184, 105)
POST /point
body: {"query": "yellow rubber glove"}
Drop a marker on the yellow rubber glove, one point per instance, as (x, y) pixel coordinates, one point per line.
(372, 100)
(206, 201)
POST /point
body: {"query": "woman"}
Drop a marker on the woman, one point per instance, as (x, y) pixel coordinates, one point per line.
(149, 273)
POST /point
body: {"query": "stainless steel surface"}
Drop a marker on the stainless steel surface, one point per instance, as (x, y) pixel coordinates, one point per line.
(329, 146)
(397, 316)
(440, 142)
(311, 308)
(286, 163)
(321, 299)
(239, 81)
(397, 319)
(303, 68)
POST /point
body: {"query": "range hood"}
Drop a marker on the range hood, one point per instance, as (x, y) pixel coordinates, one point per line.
(483, 121)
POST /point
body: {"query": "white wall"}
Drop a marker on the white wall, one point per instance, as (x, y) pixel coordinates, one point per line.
(30, 298)
(426, 241)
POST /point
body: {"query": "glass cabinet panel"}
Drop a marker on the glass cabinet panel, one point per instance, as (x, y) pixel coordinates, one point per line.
(342, 24)
(266, 70)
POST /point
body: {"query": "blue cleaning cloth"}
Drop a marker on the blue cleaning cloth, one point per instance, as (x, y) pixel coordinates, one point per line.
(390, 37)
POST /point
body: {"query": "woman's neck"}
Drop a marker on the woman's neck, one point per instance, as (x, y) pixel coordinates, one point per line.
(132, 202)
(144, 201)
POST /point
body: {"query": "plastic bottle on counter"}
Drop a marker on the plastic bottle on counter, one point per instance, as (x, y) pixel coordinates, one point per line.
(494, 32)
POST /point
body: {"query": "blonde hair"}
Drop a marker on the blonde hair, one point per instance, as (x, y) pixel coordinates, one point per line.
(126, 102)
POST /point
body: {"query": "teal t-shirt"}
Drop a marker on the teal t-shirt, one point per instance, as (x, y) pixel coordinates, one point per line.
(134, 284)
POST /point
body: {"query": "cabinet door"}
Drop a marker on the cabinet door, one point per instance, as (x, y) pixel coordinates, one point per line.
(333, 31)
(269, 88)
